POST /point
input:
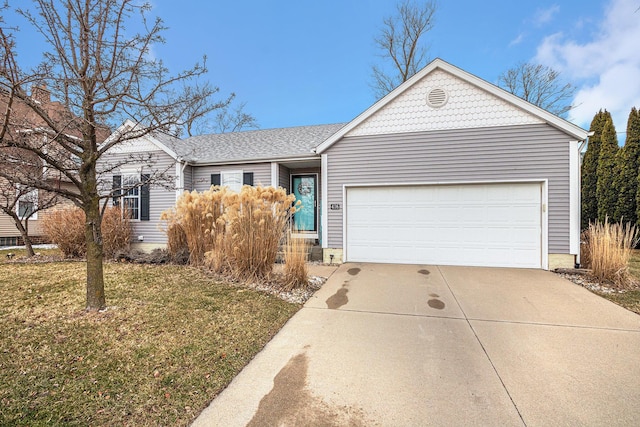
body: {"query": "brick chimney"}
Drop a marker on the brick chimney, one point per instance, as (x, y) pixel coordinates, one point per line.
(41, 94)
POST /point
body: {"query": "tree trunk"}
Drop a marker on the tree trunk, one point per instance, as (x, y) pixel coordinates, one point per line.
(93, 235)
(24, 233)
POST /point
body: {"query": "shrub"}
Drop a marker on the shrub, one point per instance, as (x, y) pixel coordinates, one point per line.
(608, 250)
(295, 263)
(65, 228)
(116, 232)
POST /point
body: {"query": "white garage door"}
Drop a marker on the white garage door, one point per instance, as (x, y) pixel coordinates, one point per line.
(496, 225)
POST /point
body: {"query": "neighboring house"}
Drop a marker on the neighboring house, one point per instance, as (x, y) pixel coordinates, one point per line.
(24, 123)
(446, 169)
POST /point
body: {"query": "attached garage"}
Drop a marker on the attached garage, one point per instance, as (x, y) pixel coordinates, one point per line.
(496, 225)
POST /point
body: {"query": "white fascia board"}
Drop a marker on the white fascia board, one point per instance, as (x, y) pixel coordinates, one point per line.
(551, 119)
(574, 198)
(163, 147)
(251, 161)
(130, 124)
(324, 206)
(275, 172)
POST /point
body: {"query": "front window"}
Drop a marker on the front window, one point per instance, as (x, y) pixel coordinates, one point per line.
(131, 195)
(27, 204)
(232, 179)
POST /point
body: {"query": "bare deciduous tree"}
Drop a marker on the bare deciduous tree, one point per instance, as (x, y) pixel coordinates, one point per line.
(228, 118)
(401, 43)
(540, 85)
(100, 69)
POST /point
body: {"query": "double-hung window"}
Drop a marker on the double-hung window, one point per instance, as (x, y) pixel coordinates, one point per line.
(131, 195)
(27, 204)
(234, 180)
(131, 191)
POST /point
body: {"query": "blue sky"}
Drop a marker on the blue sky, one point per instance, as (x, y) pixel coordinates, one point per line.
(300, 62)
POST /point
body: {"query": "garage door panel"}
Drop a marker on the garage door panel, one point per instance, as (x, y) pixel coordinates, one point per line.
(485, 225)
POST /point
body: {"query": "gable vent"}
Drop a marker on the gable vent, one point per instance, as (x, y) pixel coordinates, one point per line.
(437, 97)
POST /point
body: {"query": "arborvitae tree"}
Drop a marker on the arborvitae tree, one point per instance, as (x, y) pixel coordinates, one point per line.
(589, 166)
(605, 172)
(629, 161)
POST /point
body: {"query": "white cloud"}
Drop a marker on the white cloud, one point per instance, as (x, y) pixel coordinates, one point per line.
(544, 16)
(517, 40)
(606, 68)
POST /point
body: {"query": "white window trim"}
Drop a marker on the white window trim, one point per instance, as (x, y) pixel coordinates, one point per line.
(229, 173)
(123, 195)
(31, 196)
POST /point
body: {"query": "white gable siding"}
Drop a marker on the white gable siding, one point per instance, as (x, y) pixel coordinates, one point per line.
(467, 107)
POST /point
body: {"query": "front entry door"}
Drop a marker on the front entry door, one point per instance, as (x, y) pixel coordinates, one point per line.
(305, 189)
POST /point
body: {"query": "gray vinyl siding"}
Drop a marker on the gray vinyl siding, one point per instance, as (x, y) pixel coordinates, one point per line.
(487, 154)
(202, 174)
(284, 177)
(188, 178)
(161, 197)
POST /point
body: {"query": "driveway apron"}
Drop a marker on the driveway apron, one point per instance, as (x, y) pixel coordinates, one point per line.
(410, 345)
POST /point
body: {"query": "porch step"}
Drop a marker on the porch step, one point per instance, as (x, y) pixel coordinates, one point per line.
(314, 253)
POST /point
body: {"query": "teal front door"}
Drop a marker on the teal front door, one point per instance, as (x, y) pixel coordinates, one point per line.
(305, 189)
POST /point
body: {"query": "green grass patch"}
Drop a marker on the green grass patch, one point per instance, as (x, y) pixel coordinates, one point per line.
(169, 342)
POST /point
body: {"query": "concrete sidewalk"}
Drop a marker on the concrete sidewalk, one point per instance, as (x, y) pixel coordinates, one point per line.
(405, 345)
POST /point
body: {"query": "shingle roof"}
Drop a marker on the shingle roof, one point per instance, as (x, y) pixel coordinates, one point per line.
(253, 145)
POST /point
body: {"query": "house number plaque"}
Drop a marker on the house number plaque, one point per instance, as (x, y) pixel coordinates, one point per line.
(335, 206)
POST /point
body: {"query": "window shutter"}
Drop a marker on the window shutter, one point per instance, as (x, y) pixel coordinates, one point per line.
(116, 189)
(144, 198)
(215, 179)
(247, 178)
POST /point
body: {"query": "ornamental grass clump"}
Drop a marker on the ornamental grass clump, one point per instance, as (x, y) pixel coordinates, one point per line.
(116, 231)
(194, 221)
(608, 248)
(295, 263)
(236, 234)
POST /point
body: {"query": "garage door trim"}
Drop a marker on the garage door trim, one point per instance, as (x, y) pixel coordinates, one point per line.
(544, 183)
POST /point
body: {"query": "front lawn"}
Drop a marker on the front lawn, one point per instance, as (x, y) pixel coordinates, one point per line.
(169, 342)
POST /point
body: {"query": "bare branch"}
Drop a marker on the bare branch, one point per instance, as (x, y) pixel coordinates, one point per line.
(401, 42)
(540, 85)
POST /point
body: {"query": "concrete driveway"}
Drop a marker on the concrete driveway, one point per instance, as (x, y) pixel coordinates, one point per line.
(407, 345)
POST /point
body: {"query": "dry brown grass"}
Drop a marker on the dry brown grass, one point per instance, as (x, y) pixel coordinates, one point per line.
(169, 342)
(65, 228)
(608, 249)
(295, 263)
(116, 232)
(236, 234)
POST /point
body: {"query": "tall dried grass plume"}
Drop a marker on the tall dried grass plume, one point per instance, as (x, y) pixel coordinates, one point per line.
(607, 251)
(237, 234)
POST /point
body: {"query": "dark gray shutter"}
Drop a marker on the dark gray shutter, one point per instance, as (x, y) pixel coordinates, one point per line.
(247, 178)
(116, 189)
(215, 179)
(144, 197)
